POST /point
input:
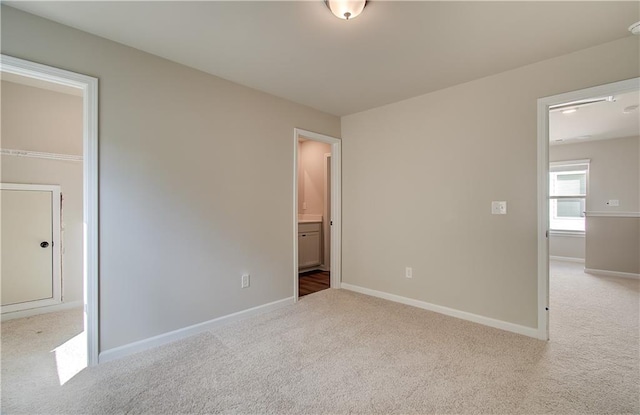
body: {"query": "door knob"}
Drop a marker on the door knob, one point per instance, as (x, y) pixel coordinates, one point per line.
(44, 244)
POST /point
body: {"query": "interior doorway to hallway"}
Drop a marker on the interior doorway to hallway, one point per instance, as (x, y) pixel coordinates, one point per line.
(70, 247)
(588, 209)
(316, 212)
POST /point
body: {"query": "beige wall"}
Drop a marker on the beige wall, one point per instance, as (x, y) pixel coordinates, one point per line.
(41, 120)
(37, 119)
(613, 244)
(311, 176)
(613, 174)
(614, 171)
(419, 177)
(567, 246)
(195, 182)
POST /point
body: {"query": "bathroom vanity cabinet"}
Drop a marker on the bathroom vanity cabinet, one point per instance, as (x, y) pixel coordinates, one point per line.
(309, 244)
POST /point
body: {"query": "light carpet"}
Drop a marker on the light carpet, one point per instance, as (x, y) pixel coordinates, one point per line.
(341, 352)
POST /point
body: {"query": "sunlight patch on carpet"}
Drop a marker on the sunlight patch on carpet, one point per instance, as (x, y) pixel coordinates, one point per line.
(71, 357)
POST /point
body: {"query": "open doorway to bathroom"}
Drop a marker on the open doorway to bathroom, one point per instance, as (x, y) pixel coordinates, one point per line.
(314, 216)
(316, 213)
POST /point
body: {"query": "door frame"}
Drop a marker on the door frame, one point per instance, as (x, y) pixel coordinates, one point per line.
(336, 206)
(614, 88)
(89, 87)
(56, 265)
(326, 212)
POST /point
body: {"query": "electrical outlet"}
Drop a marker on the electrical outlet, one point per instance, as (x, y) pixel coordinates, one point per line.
(499, 208)
(613, 202)
(245, 281)
(408, 272)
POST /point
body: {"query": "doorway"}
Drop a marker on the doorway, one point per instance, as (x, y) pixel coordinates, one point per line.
(317, 212)
(54, 79)
(563, 186)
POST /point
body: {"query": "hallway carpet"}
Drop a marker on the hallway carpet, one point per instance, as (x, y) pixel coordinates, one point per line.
(341, 352)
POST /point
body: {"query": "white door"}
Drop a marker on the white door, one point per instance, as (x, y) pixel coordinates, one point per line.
(29, 246)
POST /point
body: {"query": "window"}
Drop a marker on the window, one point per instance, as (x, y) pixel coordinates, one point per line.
(568, 195)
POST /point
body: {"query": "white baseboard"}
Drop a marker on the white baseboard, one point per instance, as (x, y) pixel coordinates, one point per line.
(40, 310)
(487, 321)
(316, 268)
(159, 340)
(566, 259)
(612, 273)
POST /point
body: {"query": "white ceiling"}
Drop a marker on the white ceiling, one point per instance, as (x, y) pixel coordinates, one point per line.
(600, 121)
(394, 50)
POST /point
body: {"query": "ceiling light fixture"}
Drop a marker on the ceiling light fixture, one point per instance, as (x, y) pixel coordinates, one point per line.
(635, 28)
(346, 9)
(580, 103)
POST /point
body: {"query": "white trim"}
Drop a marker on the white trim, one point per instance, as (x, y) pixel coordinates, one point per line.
(543, 220)
(56, 265)
(570, 234)
(582, 162)
(142, 345)
(336, 205)
(606, 273)
(566, 259)
(326, 214)
(39, 155)
(313, 268)
(31, 187)
(463, 315)
(89, 87)
(614, 88)
(613, 214)
(296, 271)
(41, 310)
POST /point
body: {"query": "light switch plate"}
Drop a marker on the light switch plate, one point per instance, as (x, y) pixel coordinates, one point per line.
(499, 207)
(408, 272)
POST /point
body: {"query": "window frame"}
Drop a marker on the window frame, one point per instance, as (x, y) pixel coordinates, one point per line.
(568, 166)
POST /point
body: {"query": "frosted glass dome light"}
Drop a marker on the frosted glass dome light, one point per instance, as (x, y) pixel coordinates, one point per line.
(346, 9)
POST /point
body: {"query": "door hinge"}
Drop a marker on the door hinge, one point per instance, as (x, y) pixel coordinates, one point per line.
(547, 234)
